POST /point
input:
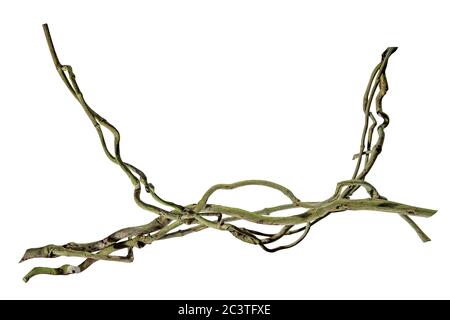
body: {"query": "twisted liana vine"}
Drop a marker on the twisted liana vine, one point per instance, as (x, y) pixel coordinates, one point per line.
(171, 217)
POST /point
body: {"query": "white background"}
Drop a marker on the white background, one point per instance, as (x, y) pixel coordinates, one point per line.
(218, 91)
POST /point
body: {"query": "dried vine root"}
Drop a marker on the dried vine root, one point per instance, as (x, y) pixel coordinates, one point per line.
(203, 214)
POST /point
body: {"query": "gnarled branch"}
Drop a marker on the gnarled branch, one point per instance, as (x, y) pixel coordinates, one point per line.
(204, 214)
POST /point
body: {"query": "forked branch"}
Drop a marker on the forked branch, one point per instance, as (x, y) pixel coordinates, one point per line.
(201, 215)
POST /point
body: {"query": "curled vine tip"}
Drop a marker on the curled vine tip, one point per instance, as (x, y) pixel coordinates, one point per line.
(174, 220)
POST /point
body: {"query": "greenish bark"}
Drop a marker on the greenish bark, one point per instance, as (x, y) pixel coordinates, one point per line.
(203, 214)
